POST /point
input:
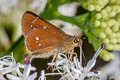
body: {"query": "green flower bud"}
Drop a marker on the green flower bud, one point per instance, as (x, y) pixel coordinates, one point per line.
(99, 2)
(102, 35)
(113, 41)
(112, 14)
(97, 8)
(115, 28)
(103, 25)
(98, 16)
(91, 7)
(106, 41)
(111, 22)
(97, 23)
(108, 30)
(113, 1)
(116, 47)
(108, 9)
(112, 35)
(106, 57)
(111, 56)
(105, 1)
(115, 8)
(103, 52)
(109, 46)
(104, 14)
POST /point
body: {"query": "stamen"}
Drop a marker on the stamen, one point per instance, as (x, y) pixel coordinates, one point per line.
(103, 45)
(80, 43)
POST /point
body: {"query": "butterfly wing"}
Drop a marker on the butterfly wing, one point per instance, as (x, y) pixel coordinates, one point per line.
(40, 35)
(31, 21)
(42, 38)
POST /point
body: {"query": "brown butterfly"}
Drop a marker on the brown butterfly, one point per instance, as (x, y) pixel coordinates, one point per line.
(44, 39)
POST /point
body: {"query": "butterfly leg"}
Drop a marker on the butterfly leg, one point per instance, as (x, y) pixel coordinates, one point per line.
(68, 56)
(53, 60)
(71, 55)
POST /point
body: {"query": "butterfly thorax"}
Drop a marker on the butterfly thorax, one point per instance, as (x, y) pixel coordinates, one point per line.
(69, 44)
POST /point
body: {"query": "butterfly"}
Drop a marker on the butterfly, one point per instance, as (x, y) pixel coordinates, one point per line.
(44, 39)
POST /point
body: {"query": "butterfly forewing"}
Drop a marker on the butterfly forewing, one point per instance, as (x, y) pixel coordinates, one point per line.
(31, 21)
(40, 35)
(27, 23)
(40, 38)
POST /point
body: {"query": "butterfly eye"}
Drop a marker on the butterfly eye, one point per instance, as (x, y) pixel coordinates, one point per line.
(76, 40)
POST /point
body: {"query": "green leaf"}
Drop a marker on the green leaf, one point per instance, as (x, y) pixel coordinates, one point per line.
(18, 50)
(95, 41)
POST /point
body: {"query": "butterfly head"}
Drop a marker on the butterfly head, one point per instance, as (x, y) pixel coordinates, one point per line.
(76, 41)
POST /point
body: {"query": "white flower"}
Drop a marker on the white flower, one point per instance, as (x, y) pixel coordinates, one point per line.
(71, 70)
(11, 69)
(67, 68)
(69, 9)
(38, 5)
(7, 5)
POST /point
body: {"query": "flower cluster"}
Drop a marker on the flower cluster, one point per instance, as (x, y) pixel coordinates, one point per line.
(73, 70)
(106, 24)
(94, 5)
(15, 71)
(67, 68)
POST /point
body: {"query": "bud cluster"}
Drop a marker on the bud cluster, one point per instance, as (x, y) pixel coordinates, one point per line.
(94, 5)
(106, 24)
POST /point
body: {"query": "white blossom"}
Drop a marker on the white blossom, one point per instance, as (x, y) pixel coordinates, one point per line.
(7, 5)
(69, 9)
(38, 5)
(73, 69)
(11, 69)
